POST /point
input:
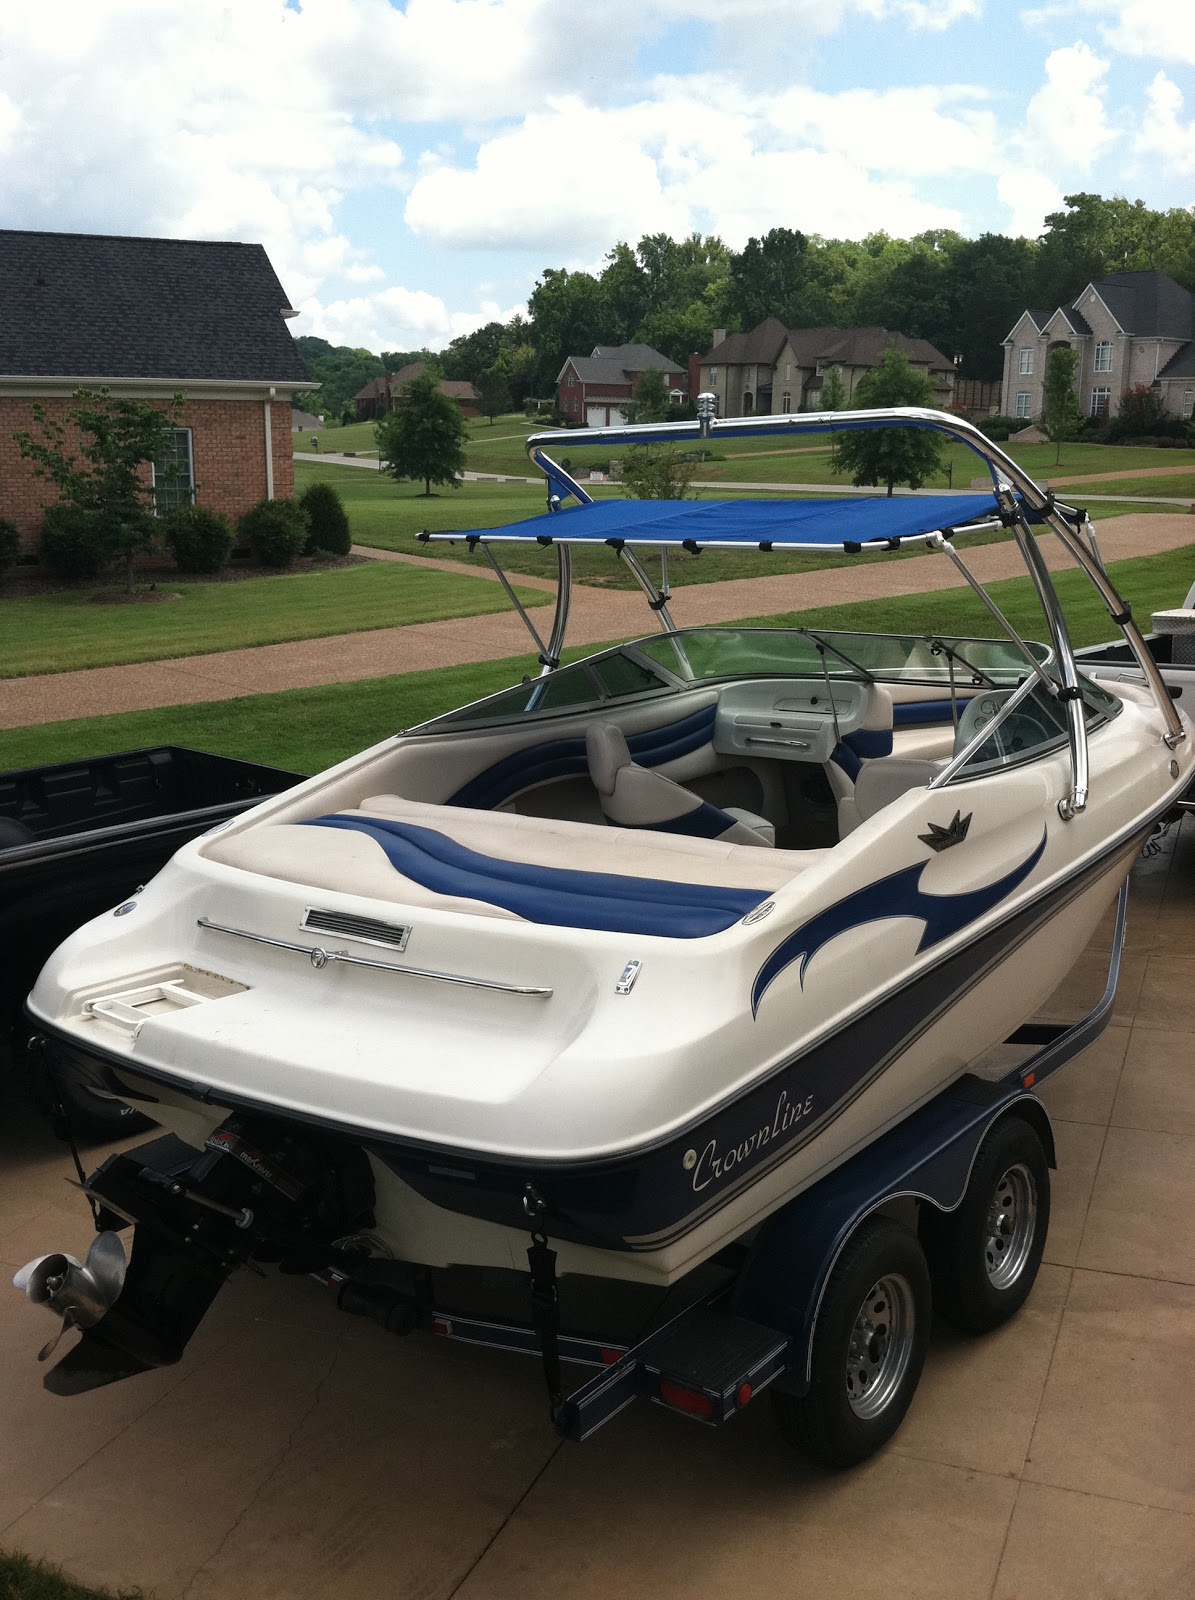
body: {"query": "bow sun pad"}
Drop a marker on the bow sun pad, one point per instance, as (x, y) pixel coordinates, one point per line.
(842, 523)
(556, 896)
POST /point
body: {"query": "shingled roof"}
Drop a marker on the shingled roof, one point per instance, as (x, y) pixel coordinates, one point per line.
(614, 363)
(847, 347)
(81, 305)
(1148, 304)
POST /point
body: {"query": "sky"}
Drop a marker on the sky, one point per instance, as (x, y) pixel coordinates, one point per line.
(411, 166)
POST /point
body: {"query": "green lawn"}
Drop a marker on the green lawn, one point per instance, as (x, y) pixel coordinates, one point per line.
(1179, 487)
(308, 729)
(359, 437)
(58, 633)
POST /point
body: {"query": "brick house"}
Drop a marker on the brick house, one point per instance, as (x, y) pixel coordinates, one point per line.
(1129, 328)
(774, 370)
(151, 318)
(377, 397)
(592, 391)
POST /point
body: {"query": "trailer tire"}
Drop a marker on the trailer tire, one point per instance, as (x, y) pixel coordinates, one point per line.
(868, 1347)
(983, 1256)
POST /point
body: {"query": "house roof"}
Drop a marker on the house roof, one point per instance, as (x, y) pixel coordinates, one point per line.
(848, 347)
(1148, 303)
(386, 382)
(1040, 317)
(81, 305)
(1181, 363)
(458, 389)
(760, 346)
(374, 389)
(616, 363)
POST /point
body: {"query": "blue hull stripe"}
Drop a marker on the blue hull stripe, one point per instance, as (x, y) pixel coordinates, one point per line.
(557, 896)
(565, 758)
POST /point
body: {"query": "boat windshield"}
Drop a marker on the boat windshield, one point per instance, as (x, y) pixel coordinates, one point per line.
(668, 664)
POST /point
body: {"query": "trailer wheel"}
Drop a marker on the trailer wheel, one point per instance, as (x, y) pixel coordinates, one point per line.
(868, 1347)
(983, 1257)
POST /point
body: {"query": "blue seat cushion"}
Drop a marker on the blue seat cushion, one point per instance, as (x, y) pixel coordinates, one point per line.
(557, 896)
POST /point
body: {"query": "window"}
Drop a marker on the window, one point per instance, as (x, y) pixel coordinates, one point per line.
(1099, 401)
(819, 370)
(788, 371)
(1188, 404)
(713, 374)
(1103, 356)
(1022, 408)
(748, 403)
(786, 402)
(572, 380)
(174, 473)
(1025, 366)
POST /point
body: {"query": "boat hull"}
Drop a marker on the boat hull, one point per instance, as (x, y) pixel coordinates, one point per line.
(655, 1213)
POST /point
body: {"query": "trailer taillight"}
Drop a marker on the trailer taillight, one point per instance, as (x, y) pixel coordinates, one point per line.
(681, 1398)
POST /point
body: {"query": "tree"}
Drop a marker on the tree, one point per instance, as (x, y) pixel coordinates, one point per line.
(767, 277)
(890, 455)
(339, 370)
(494, 392)
(833, 396)
(657, 472)
(424, 436)
(98, 459)
(569, 315)
(651, 402)
(1061, 417)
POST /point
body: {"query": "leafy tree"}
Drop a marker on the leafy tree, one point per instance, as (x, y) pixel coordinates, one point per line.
(767, 277)
(468, 356)
(494, 392)
(424, 436)
(890, 455)
(657, 472)
(1094, 236)
(98, 459)
(569, 315)
(627, 291)
(1061, 417)
(396, 360)
(339, 370)
(651, 402)
(833, 395)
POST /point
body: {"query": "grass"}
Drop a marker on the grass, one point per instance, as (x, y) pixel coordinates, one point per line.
(23, 1579)
(359, 436)
(62, 632)
(309, 729)
(1179, 487)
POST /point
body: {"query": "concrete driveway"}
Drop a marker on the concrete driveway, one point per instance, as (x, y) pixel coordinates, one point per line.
(294, 1453)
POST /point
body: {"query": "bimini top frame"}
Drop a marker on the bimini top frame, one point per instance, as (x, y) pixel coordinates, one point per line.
(1017, 503)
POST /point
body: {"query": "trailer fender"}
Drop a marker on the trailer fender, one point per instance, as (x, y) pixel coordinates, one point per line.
(929, 1158)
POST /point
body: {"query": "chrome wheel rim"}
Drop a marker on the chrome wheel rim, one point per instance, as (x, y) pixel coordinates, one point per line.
(1010, 1227)
(881, 1345)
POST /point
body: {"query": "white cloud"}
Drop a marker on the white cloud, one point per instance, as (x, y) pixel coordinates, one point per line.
(396, 318)
(1065, 123)
(573, 177)
(1030, 197)
(1162, 133)
(1162, 28)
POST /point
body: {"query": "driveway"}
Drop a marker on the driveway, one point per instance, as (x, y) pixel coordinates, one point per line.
(295, 1453)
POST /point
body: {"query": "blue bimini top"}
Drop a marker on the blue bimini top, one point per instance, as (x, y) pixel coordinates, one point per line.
(846, 523)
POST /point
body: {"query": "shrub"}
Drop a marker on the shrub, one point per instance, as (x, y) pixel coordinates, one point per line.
(200, 540)
(999, 427)
(327, 521)
(276, 532)
(10, 544)
(72, 543)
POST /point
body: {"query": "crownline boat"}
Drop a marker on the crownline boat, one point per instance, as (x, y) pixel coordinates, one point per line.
(632, 952)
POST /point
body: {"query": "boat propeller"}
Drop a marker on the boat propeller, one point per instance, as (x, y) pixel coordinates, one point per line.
(80, 1292)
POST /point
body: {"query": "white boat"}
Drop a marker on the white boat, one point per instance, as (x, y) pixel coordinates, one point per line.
(632, 953)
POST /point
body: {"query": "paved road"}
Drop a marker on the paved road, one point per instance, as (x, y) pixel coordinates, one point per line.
(597, 615)
(295, 1454)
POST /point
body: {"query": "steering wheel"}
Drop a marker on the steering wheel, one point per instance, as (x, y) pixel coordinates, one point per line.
(1022, 730)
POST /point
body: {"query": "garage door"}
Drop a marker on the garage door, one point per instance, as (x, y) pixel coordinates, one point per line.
(595, 416)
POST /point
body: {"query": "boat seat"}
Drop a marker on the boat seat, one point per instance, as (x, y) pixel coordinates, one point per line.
(632, 796)
(503, 864)
(880, 783)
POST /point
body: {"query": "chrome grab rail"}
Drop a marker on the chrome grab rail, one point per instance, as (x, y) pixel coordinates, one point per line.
(319, 957)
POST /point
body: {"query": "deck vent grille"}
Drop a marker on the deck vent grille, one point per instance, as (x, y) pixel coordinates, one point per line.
(393, 935)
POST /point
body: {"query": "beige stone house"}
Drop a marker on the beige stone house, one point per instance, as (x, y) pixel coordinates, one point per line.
(776, 370)
(1129, 328)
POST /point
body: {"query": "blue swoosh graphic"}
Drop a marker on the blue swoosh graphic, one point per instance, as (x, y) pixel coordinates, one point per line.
(900, 895)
